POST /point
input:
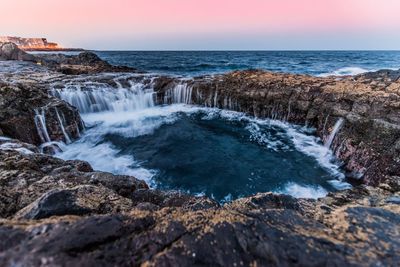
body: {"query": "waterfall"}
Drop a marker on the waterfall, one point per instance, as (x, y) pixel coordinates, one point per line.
(105, 98)
(181, 93)
(288, 113)
(40, 122)
(215, 99)
(336, 128)
(60, 121)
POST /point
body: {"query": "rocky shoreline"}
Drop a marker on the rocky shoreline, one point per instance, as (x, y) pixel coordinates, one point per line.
(64, 213)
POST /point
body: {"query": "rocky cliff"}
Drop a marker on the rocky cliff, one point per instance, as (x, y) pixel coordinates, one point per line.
(63, 213)
(31, 43)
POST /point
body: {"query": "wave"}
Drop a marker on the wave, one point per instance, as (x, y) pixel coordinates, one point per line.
(347, 71)
(303, 191)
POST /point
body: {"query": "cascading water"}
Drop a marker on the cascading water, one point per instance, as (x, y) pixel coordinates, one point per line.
(336, 128)
(103, 97)
(40, 122)
(181, 93)
(185, 147)
(60, 121)
(215, 98)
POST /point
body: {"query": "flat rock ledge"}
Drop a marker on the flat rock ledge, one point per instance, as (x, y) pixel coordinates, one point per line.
(63, 213)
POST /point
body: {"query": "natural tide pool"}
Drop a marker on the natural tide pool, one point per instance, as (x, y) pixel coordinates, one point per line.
(221, 154)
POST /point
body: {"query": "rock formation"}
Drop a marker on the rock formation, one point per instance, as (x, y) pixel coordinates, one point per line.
(10, 51)
(63, 213)
(84, 63)
(32, 44)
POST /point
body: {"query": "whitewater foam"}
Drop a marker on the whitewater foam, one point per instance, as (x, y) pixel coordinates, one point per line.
(303, 191)
(91, 97)
(347, 71)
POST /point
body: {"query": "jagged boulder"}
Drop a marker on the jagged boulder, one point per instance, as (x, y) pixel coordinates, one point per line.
(79, 200)
(28, 178)
(10, 51)
(84, 63)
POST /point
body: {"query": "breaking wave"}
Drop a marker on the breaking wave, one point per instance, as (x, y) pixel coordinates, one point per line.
(347, 71)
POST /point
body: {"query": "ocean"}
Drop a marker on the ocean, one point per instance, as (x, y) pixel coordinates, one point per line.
(195, 63)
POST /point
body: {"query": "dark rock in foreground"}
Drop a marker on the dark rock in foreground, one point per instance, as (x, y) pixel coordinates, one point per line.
(262, 230)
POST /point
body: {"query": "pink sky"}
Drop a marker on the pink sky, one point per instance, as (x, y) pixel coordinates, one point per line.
(207, 24)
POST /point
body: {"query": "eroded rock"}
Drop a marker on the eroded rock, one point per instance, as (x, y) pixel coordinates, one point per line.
(80, 200)
(265, 230)
(84, 63)
(10, 51)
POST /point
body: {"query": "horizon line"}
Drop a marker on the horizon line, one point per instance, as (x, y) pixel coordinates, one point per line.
(243, 50)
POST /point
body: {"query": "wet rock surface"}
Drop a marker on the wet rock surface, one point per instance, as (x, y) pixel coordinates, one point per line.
(64, 213)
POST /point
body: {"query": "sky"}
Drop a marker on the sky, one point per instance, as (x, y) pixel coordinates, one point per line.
(207, 24)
